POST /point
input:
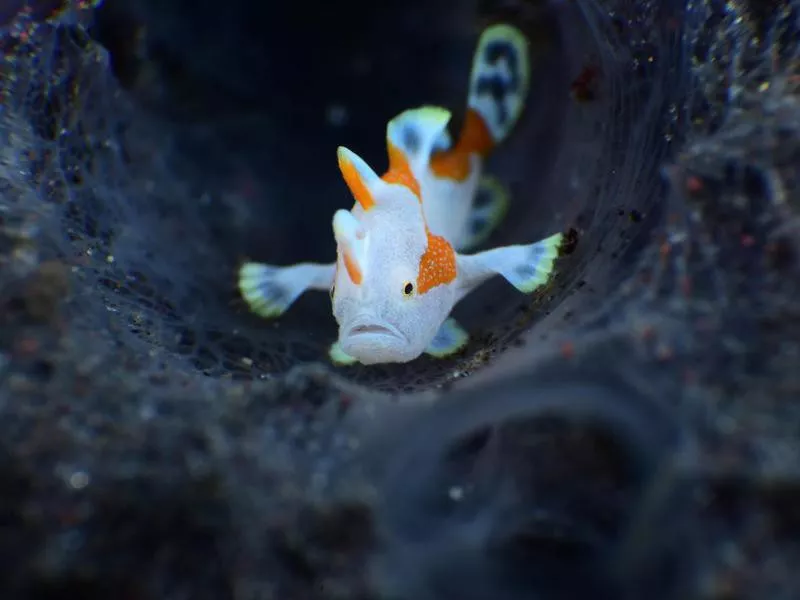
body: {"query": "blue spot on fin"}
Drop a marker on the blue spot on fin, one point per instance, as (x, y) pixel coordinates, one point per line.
(500, 78)
(537, 265)
(418, 132)
(269, 290)
(262, 289)
(448, 340)
(489, 208)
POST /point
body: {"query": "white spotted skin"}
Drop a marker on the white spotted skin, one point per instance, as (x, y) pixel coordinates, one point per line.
(448, 203)
(394, 241)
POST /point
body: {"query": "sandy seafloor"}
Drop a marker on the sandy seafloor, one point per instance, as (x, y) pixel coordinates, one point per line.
(632, 431)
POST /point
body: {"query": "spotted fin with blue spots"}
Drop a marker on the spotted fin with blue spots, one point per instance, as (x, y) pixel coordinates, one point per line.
(536, 265)
(489, 208)
(270, 290)
(500, 79)
(526, 267)
(449, 339)
(418, 132)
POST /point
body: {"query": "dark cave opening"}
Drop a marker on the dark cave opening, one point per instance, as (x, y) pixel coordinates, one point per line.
(555, 490)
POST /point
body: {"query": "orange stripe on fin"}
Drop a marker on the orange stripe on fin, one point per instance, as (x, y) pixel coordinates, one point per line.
(475, 138)
(352, 268)
(400, 171)
(356, 184)
(437, 266)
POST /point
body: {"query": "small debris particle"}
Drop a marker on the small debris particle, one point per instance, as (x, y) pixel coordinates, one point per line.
(27, 347)
(456, 493)
(694, 185)
(664, 352)
(79, 480)
(337, 115)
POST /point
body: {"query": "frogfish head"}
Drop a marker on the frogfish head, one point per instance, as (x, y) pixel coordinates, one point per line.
(394, 280)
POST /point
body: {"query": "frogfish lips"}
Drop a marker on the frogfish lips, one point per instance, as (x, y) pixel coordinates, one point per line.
(371, 342)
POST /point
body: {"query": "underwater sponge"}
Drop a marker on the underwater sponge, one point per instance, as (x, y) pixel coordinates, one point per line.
(632, 423)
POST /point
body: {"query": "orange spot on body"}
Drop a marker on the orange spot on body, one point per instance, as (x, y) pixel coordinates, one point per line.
(352, 268)
(357, 187)
(475, 139)
(400, 171)
(437, 266)
(475, 136)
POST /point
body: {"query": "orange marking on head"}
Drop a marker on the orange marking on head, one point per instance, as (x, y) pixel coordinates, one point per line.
(437, 266)
(352, 268)
(357, 187)
(400, 171)
(475, 139)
